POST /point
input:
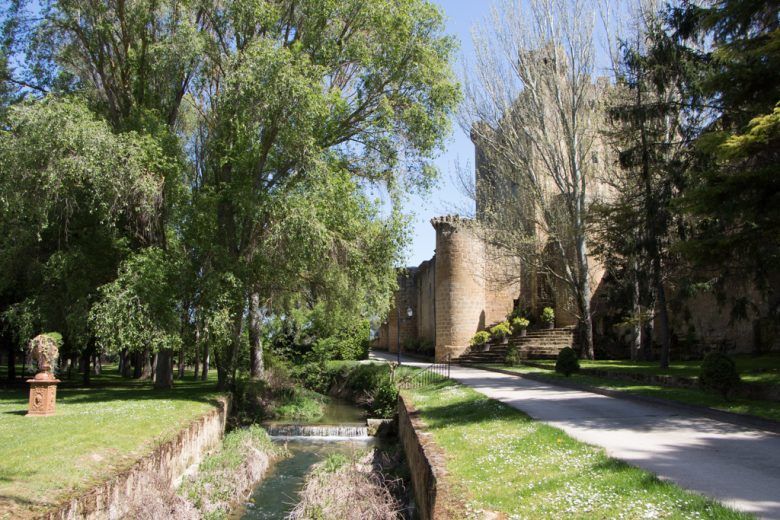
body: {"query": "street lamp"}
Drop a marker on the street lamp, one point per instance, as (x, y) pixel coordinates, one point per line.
(409, 314)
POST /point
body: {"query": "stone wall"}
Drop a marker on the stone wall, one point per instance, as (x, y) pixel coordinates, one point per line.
(168, 461)
(460, 285)
(426, 461)
(426, 301)
(452, 296)
(705, 321)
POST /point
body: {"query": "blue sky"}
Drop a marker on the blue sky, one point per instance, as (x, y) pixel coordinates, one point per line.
(447, 196)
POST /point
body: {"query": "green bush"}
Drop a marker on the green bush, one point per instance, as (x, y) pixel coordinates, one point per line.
(512, 356)
(567, 362)
(384, 399)
(411, 345)
(500, 332)
(314, 375)
(548, 315)
(719, 373)
(427, 348)
(480, 338)
(519, 324)
(346, 348)
(374, 382)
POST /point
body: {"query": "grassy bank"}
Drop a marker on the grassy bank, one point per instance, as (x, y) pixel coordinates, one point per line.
(229, 474)
(500, 460)
(347, 486)
(695, 396)
(763, 369)
(97, 432)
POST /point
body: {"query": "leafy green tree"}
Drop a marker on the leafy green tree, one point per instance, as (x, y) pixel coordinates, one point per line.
(224, 145)
(297, 92)
(71, 192)
(139, 310)
(735, 191)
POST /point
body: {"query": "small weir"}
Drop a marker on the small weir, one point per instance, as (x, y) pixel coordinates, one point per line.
(334, 432)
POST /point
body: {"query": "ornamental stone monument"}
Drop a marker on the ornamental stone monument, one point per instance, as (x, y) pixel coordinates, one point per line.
(43, 387)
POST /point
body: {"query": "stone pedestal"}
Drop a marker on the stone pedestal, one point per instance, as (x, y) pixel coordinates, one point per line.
(43, 394)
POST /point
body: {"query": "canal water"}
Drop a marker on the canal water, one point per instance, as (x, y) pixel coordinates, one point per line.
(277, 494)
(342, 429)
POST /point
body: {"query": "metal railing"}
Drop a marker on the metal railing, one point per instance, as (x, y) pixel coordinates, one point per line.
(434, 373)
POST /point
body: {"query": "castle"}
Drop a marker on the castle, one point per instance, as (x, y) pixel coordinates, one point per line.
(456, 293)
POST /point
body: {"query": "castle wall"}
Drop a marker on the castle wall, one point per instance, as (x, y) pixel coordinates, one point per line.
(702, 322)
(426, 300)
(405, 297)
(502, 286)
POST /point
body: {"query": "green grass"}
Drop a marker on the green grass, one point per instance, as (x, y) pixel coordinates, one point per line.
(300, 404)
(765, 409)
(500, 460)
(222, 476)
(753, 369)
(97, 432)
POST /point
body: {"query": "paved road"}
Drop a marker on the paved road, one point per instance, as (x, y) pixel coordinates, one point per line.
(738, 466)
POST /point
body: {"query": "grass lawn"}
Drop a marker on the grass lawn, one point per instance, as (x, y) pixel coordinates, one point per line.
(765, 409)
(97, 432)
(753, 369)
(503, 461)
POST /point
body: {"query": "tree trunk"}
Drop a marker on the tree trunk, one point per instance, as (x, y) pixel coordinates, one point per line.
(584, 296)
(181, 362)
(122, 361)
(155, 359)
(164, 370)
(137, 365)
(636, 312)
(647, 340)
(197, 349)
(11, 363)
(204, 375)
(222, 372)
(663, 317)
(126, 371)
(85, 367)
(227, 366)
(145, 364)
(97, 366)
(255, 338)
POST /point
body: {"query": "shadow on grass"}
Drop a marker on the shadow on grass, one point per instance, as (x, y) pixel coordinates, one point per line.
(119, 389)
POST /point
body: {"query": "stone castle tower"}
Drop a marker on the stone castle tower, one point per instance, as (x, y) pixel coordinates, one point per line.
(451, 296)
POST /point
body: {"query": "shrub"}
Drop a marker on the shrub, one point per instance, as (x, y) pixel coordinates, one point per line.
(383, 399)
(411, 345)
(512, 356)
(567, 362)
(719, 373)
(519, 324)
(548, 315)
(373, 388)
(500, 331)
(480, 338)
(427, 348)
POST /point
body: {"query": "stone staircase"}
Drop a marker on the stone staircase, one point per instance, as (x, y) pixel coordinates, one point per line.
(536, 344)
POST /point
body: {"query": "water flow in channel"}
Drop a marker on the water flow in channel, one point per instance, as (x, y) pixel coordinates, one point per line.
(342, 429)
(277, 494)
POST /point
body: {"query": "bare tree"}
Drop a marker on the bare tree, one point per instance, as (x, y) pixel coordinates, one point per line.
(532, 110)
